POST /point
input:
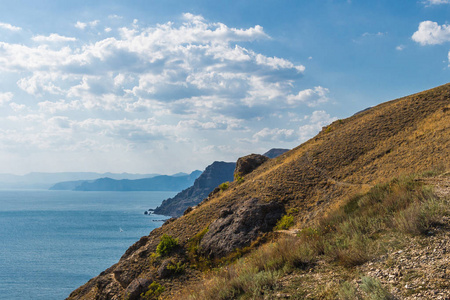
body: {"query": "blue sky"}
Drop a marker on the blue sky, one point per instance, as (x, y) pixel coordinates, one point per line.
(169, 86)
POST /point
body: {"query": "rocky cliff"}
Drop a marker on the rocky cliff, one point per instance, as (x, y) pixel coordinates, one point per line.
(215, 174)
(403, 136)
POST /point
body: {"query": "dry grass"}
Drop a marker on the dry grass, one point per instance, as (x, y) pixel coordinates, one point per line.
(350, 236)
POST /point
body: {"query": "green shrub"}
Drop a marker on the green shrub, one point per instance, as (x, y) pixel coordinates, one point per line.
(224, 186)
(374, 290)
(238, 178)
(166, 245)
(154, 291)
(176, 268)
(285, 222)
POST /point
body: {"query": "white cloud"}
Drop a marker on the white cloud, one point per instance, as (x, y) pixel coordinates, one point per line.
(54, 37)
(311, 97)
(377, 34)
(5, 97)
(431, 33)
(316, 120)
(80, 25)
(9, 27)
(17, 107)
(275, 134)
(169, 86)
(436, 2)
(400, 47)
(84, 25)
(114, 17)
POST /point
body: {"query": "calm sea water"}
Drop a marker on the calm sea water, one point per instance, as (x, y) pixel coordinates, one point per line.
(51, 242)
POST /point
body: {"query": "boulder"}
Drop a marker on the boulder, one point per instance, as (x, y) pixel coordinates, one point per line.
(136, 288)
(163, 270)
(248, 163)
(237, 227)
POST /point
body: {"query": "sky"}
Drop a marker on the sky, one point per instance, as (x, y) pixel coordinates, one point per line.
(170, 86)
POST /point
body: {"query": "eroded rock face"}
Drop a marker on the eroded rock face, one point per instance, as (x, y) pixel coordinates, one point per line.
(237, 227)
(214, 174)
(248, 163)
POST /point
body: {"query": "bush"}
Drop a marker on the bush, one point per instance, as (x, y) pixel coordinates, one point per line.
(154, 291)
(374, 290)
(285, 222)
(166, 245)
(224, 186)
(176, 268)
(238, 178)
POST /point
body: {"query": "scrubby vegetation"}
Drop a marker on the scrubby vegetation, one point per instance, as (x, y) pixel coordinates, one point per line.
(224, 186)
(166, 245)
(154, 291)
(238, 178)
(348, 236)
(285, 222)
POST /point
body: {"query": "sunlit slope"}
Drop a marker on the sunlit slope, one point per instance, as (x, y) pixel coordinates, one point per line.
(403, 136)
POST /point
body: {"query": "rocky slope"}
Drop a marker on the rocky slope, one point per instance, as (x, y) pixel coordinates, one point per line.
(403, 136)
(215, 174)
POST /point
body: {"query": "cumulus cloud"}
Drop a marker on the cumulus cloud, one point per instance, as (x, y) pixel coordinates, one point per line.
(155, 87)
(311, 97)
(9, 27)
(431, 33)
(436, 2)
(84, 25)
(5, 97)
(54, 37)
(275, 134)
(316, 121)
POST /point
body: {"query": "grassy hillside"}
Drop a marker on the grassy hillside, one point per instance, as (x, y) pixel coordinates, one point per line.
(341, 250)
(347, 158)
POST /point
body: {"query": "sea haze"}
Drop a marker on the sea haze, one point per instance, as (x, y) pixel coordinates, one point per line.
(51, 242)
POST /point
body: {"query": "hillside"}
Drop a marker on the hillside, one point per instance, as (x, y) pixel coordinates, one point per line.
(214, 174)
(275, 152)
(348, 157)
(157, 183)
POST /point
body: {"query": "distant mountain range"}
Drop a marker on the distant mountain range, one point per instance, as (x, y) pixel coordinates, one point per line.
(175, 182)
(38, 180)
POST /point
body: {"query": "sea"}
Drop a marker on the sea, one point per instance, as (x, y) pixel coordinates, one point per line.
(51, 242)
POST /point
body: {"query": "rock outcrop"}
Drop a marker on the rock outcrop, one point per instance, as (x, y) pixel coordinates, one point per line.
(237, 227)
(248, 163)
(214, 174)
